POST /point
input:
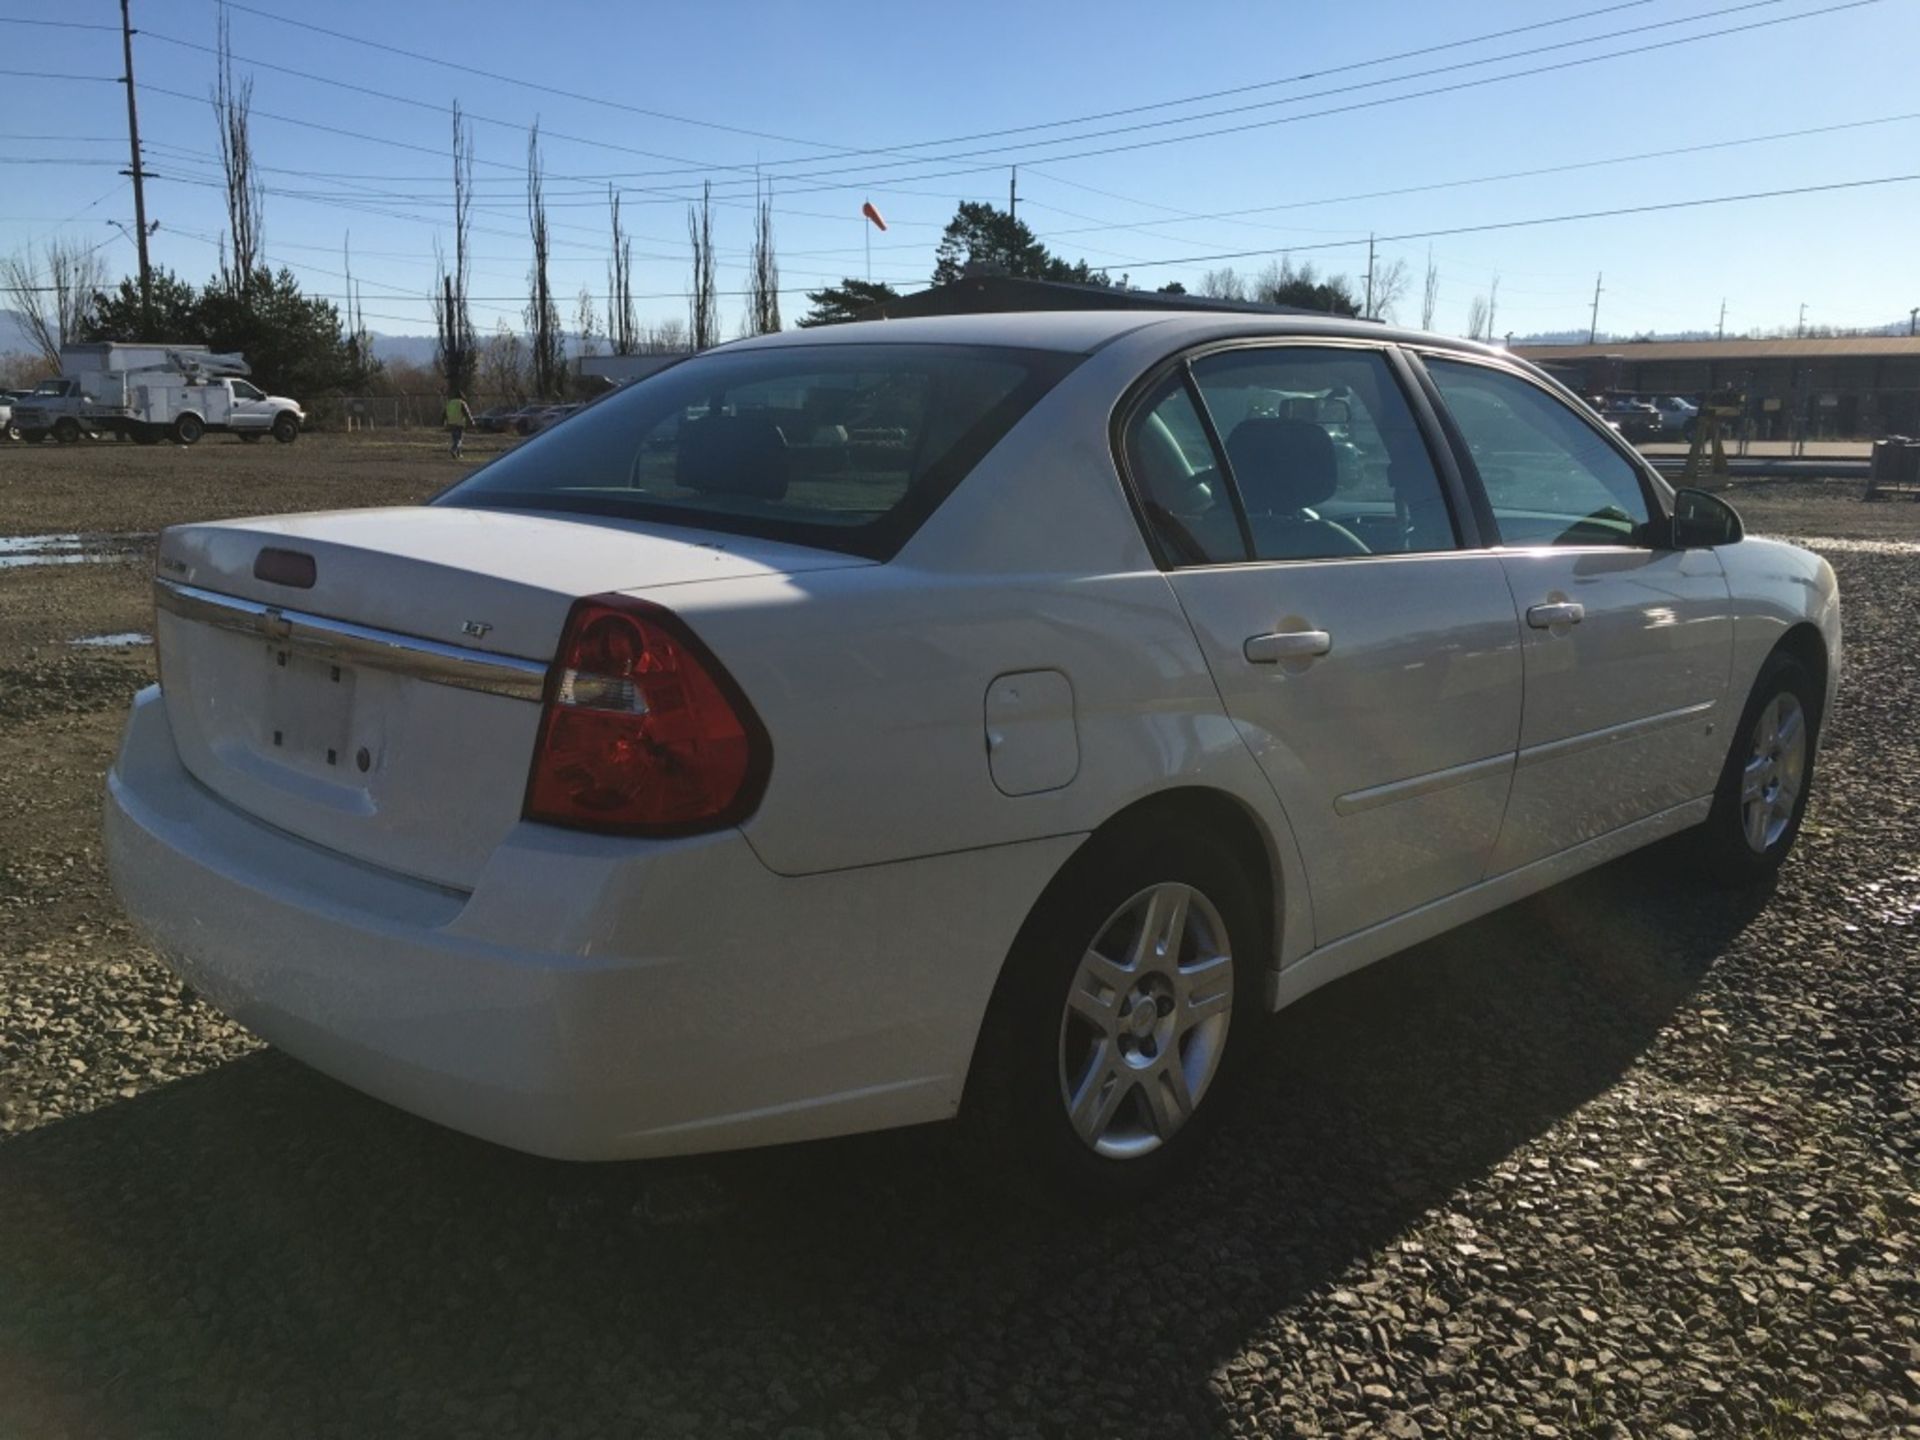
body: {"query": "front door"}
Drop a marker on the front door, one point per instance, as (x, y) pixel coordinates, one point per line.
(1370, 662)
(1628, 648)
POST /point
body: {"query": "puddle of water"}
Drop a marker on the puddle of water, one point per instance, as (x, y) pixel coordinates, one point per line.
(119, 640)
(68, 549)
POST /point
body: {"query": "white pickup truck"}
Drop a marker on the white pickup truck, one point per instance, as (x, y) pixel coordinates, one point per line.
(151, 393)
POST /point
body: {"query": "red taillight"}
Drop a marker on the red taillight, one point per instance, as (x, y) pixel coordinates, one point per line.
(644, 732)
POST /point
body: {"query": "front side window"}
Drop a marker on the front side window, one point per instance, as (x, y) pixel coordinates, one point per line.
(243, 391)
(844, 446)
(1325, 453)
(1549, 476)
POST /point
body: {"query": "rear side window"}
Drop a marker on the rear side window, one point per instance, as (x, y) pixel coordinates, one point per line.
(1549, 476)
(844, 446)
(1324, 452)
(1181, 488)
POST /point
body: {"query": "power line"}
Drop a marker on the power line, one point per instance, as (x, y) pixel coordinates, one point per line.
(1667, 153)
(1547, 220)
(524, 83)
(699, 168)
(1347, 108)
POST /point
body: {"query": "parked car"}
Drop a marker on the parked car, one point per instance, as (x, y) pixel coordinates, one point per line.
(683, 781)
(8, 429)
(1677, 414)
(494, 420)
(549, 417)
(1635, 419)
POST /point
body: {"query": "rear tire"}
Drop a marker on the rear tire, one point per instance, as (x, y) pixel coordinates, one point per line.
(1767, 779)
(66, 431)
(1106, 1063)
(187, 429)
(286, 429)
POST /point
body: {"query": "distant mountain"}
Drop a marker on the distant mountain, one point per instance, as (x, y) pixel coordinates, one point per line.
(14, 339)
(409, 349)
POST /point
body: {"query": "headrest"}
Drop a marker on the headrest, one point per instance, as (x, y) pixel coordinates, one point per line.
(732, 455)
(1282, 465)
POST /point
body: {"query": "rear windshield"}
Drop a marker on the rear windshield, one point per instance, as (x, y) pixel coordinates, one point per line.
(846, 446)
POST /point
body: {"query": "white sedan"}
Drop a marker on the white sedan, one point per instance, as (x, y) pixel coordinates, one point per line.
(989, 716)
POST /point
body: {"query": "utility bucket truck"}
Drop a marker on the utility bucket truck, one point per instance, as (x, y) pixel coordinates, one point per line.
(151, 393)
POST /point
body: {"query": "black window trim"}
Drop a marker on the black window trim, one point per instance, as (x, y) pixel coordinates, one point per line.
(1654, 489)
(1469, 535)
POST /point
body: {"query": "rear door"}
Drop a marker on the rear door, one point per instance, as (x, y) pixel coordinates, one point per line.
(1366, 649)
(1628, 646)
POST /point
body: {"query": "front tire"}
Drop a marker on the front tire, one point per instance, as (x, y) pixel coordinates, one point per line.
(1764, 786)
(1121, 1026)
(286, 429)
(66, 431)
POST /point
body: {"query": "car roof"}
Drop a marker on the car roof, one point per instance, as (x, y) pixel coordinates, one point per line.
(1083, 331)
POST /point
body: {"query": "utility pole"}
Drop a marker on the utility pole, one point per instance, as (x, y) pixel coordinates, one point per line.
(1593, 323)
(1013, 198)
(1720, 330)
(1368, 312)
(139, 177)
(1800, 330)
(1913, 321)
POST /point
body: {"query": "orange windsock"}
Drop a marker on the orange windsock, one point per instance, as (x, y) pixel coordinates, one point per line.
(872, 214)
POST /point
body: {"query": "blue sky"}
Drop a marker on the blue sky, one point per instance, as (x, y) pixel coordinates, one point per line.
(790, 87)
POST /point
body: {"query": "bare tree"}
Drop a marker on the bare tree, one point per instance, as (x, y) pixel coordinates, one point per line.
(623, 329)
(586, 321)
(245, 195)
(1430, 294)
(1477, 318)
(669, 337)
(54, 294)
(763, 303)
(1389, 285)
(548, 360)
(1223, 284)
(703, 308)
(455, 342)
(503, 364)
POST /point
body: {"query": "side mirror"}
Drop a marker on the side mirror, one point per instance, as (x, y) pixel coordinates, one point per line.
(1702, 520)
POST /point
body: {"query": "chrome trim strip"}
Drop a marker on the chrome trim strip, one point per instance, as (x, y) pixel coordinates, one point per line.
(345, 643)
(1355, 802)
(1613, 734)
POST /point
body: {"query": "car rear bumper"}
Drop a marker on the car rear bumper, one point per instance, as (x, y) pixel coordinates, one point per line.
(591, 998)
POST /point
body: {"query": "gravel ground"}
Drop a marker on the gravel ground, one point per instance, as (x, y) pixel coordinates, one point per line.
(1626, 1160)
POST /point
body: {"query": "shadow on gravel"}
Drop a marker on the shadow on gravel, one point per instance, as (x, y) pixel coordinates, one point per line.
(260, 1251)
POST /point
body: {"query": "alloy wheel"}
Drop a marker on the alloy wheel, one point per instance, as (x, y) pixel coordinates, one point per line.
(1775, 772)
(1145, 1022)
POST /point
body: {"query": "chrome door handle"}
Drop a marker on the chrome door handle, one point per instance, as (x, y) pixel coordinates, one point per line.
(1562, 612)
(1287, 645)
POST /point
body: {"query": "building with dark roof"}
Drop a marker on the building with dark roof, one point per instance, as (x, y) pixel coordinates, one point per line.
(996, 294)
(1839, 387)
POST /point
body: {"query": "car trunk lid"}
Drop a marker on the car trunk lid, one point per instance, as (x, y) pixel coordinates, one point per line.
(368, 680)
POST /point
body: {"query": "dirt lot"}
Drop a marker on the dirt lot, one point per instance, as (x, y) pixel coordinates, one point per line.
(1625, 1160)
